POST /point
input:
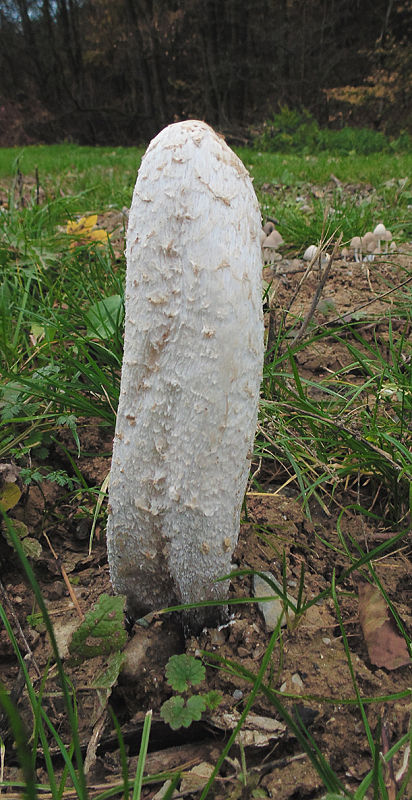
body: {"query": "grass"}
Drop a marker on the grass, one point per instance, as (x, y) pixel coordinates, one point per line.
(61, 319)
(98, 177)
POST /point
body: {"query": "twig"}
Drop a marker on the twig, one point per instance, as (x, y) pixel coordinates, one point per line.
(65, 578)
(318, 293)
(323, 244)
(91, 754)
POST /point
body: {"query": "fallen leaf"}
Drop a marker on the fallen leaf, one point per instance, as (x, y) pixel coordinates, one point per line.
(257, 731)
(9, 496)
(386, 646)
(10, 490)
(195, 779)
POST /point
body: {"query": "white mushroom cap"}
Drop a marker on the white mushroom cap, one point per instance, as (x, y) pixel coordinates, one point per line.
(269, 247)
(273, 240)
(380, 233)
(369, 242)
(387, 238)
(368, 237)
(310, 252)
(380, 230)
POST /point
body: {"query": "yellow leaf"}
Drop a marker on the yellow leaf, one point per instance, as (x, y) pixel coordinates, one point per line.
(99, 235)
(88, 222)
(82, 225)
(9, 496)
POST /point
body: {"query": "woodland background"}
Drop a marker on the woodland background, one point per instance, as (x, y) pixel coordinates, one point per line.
(117, 71)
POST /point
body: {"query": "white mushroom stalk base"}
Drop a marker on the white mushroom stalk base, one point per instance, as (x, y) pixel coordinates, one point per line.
(191, 372)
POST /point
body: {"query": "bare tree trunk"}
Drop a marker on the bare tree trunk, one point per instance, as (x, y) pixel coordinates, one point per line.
(140, 77)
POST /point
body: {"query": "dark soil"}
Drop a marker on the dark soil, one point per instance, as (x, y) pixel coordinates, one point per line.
(309, 667)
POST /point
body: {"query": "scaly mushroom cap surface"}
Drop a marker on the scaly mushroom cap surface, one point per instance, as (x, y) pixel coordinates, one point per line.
(191, 371)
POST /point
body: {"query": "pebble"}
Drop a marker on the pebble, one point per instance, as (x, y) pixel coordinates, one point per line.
(271, 609)
(297, 680)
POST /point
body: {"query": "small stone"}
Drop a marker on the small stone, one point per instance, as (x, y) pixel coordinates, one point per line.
(271, 609)
(56, 590)
(217, 637)
(297, 680)
(237, 694)
(326, 640)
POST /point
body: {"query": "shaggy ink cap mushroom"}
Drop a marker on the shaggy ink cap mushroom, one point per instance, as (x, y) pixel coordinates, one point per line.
(192, 366)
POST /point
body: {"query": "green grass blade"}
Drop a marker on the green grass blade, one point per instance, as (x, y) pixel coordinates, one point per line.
(20, 739)
(144, 744)
(82, 786)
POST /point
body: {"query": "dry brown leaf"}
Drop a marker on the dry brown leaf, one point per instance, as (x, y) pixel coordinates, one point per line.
(386, 646)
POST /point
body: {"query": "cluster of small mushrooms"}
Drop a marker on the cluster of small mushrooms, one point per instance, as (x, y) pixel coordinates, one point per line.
(365, 248)
(270, 240)
(361, 248)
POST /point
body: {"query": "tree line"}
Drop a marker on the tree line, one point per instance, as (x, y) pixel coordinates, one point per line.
(117, 71)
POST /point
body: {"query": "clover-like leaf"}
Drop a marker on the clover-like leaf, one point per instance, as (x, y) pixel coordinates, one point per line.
(196, 706)
(175, 713)
(183, 670)
(179, 714)
(212, 699)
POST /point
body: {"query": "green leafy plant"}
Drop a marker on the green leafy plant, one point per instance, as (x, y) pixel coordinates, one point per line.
(182, 672)
(102, 632)
(293, 130)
